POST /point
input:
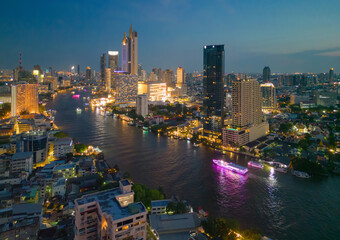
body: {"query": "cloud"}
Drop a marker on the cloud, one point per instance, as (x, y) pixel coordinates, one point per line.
(335, 53)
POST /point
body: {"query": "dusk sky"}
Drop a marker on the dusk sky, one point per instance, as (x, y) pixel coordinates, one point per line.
(289, 36)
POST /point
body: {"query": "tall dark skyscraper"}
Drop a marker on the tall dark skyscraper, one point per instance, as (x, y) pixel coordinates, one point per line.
(102, 67)
(78, 69)
(88, 73)
(130, 52)
(331, 75)
(266, 74)
(213, 102)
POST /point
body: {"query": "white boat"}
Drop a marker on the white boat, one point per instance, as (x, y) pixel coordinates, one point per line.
(255, 164)
(196, 145)
(281, 170)
(231, 166)
(301, 174)
(78, 110)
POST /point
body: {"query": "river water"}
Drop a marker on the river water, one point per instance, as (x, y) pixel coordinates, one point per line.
(281, 205)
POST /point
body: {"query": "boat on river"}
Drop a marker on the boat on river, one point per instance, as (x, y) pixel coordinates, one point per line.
(281, 170)
(301, 174)
(231, 166)
(78, 110)
(255, 164)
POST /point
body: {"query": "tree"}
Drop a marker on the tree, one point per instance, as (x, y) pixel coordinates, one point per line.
(221, 228)
(285, 127)
(24, 112)
(127, 175)
(61, 135)
(80, 147)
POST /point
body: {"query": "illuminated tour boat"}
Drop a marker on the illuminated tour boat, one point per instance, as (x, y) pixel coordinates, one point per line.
(231, 166)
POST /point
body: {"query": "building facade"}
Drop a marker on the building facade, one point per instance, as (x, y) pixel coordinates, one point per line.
(180, 77)
(110, 214)
(142, 105)
(213, 89)
(126, 89)
(266, 74)
(268, 94)
(130, 52)
(102, 67)
(24, 98)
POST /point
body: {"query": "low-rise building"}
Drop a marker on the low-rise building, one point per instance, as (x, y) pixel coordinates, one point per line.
(159, 206)
(62, 146)
(22, 162)
(66, 171)
(110, 214)
(59, 187)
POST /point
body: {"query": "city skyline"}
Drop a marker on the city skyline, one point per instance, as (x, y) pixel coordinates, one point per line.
(170, 34)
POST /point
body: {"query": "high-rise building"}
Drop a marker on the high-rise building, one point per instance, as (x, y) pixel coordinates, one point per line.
(110, 214)
(113, 60)
(24, 97)
(102, 68)
(153, 77)
(142, 105)
(113, 65)
(88, 76)
(144, 77)
(168, 77)
(140, 70)
(126, 89)
(78, 70)
(266, 74)
(246, 101)
(130, 52)
(180, 76)
(108, 79)
(268, 95)
(213, 102)
(331, 75)
(247, 124)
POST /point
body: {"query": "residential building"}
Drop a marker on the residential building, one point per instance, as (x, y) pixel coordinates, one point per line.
(59, 187)
(331, 75)
(110, 214)
(22, 162)
(66, 171)
(159, 206)
(168, 76)
(113, 65)
(62, 146)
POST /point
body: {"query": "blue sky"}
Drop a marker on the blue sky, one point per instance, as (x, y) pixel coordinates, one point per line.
(289, 36)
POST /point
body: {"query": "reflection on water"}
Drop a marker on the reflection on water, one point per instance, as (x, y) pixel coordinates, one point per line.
(283, 206)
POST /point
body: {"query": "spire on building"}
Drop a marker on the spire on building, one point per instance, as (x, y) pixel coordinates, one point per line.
(130, 32)
(124, 38)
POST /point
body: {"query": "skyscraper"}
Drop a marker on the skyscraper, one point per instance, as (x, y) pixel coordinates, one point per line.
(88, 73)
(102, 68)
(113, 65)
(213, 102)
(180, 76)
(331, 75)
(24, 97)
(130, 52)
(168, 77)
(268, 95)
(266, 74)
(78, 70)
(113, 60)
(108, 79)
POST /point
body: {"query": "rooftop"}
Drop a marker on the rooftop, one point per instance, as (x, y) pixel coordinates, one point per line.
(108, 204)
(125, 182)
(21, 155)
(174, 223)
(63, 141)
(160, 203)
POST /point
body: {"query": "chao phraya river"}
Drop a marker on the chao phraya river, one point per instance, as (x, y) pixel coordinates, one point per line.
(281, 205)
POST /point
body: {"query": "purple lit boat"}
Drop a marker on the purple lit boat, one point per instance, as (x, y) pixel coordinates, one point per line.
(231, 166)
(76, 96)
(255, 164)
